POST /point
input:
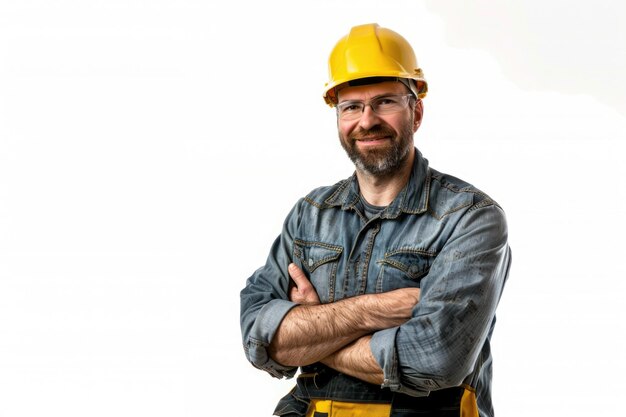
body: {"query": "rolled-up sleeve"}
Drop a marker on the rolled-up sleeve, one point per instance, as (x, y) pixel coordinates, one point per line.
(261, 334)
(264, 302)
(439, 346)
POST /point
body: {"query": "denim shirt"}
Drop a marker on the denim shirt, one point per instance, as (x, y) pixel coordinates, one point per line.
(439, 234)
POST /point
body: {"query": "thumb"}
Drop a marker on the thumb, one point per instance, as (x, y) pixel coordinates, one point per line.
(298, 275)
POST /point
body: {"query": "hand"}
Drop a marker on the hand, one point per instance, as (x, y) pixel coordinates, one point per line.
(302, 292)
(407, 298)
(394, 307)
(410, 295)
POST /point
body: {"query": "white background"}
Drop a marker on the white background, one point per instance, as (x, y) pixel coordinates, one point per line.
(149, 151)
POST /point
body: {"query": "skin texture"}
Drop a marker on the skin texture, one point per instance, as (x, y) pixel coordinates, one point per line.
(338, 334)
(370, 140)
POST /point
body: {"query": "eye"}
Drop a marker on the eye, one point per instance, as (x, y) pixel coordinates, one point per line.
(387, 101)
(350, 107)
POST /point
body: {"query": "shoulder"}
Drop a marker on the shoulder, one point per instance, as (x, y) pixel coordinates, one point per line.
(328, 196)
(449, 194)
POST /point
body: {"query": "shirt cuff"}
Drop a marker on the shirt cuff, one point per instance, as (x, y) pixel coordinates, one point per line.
(382, 345)
(261, 335)
(383, 348)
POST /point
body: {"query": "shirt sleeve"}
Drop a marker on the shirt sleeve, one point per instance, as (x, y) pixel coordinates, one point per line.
(264, 302)
(439, 346)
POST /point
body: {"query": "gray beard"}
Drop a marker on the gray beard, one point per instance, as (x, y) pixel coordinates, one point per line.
(381, 163)
(382, 166)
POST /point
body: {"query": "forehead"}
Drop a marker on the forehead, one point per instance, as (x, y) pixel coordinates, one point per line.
(364, 92)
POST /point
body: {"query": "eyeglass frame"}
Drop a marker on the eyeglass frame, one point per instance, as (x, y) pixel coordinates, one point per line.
(406, 100)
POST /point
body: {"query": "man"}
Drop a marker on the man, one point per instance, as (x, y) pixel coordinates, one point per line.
(383, 287)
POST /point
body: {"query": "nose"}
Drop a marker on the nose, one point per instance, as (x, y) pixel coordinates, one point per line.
(368, 118)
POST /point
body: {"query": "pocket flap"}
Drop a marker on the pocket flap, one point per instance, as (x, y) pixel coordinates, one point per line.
(314, 254)
(415, 263)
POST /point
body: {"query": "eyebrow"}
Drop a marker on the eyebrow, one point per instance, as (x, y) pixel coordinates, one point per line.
(373, 98)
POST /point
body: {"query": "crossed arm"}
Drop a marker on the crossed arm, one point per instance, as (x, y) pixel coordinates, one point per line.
(338, 334)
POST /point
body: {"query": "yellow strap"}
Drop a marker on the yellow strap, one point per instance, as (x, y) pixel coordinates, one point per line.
(347, 409)
(469, 406)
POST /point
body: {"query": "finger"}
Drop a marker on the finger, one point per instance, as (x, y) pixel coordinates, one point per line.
(298, 276)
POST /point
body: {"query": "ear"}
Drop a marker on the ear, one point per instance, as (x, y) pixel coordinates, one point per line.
(418, 112)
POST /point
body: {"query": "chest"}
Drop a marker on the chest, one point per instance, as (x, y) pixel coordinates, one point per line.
(345, 255)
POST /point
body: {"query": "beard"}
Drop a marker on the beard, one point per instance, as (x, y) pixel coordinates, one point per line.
(382, 161)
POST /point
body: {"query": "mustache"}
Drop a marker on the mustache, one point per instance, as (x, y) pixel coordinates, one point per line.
(374, 131)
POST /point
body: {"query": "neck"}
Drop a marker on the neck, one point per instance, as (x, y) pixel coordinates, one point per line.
(381, 190)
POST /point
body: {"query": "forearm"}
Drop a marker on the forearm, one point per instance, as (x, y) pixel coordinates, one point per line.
(308, 334)
(356, 360)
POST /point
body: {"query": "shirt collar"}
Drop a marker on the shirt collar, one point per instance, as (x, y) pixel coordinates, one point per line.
(412, 199)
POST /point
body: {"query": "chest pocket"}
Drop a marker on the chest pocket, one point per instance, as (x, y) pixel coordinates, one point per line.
(319, 260)
(404, 267)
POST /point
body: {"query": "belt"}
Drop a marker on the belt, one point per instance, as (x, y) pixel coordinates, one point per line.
(332, 408)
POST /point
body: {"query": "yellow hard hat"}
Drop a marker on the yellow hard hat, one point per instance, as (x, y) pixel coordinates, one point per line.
(372, 51)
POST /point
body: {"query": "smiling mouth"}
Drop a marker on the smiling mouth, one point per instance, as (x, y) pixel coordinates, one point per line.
(372, 139)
